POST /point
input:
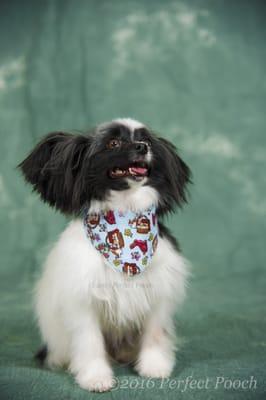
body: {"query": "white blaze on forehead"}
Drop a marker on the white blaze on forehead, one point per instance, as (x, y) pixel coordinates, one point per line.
(132, 124)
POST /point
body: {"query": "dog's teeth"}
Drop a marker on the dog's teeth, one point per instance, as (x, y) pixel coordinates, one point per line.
(131, 171)
(137, 169)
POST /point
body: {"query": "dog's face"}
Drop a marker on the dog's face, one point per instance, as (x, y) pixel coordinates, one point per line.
(69, 171)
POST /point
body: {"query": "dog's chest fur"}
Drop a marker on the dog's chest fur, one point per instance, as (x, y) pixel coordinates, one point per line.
(123, 300)
(122, 303)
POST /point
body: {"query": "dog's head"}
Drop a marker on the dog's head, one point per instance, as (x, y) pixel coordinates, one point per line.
(69, 171)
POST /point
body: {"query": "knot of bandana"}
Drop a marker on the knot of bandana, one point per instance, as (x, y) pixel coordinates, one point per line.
(126, 240)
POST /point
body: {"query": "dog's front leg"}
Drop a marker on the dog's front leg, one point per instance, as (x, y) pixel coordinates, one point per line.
(157, 352)
(88, 359)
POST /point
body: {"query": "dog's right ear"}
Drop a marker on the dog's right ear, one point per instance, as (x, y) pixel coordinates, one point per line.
(54, 169)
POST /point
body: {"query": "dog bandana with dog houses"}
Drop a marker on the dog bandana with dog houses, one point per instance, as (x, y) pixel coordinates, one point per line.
(127, 240)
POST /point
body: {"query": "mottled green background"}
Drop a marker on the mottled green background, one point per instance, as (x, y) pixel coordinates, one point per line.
(195, 72)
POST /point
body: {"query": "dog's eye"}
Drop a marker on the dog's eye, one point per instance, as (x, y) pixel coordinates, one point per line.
(114, 143)
(148, 141)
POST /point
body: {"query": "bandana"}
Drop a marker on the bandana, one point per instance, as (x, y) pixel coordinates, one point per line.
(127, 240)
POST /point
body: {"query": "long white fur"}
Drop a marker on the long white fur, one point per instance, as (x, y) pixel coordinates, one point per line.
(80, 300)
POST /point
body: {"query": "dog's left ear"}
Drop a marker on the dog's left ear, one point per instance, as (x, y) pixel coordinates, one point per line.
(177, 172)
(55, 170)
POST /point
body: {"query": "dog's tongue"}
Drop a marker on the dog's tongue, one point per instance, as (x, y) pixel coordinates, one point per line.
(138, 170)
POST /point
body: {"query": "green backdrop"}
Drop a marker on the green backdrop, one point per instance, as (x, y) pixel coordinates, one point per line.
(195, 72)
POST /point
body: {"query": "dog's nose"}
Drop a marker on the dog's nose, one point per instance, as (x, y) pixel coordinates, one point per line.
(141, 148)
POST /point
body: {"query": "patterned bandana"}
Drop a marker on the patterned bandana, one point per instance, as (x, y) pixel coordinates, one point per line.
(127, 240)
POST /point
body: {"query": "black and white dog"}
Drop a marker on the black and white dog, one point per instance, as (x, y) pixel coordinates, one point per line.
(95, 300)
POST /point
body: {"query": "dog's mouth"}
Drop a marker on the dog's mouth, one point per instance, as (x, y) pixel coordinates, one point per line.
(136, 171)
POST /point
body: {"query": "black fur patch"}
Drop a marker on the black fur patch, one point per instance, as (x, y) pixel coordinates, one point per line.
(165, 232)
(169, 176)
(69, 171)
(41, 354)
(55, 168)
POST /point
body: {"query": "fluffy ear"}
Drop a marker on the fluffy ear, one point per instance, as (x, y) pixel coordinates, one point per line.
(177, 172)
(54, 168)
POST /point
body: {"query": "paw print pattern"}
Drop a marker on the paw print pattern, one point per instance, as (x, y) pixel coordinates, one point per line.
(145, 260)
(102, 227)
(97, 237)
(135, 255)
(151, 237)
(128, 232)
(116, 262)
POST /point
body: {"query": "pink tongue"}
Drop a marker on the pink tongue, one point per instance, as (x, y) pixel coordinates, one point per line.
(139, 170)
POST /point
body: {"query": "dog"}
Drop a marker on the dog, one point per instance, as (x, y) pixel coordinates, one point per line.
(96, 303)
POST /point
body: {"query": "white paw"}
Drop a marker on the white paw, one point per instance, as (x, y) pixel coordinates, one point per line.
(98, 377)
(153, 363)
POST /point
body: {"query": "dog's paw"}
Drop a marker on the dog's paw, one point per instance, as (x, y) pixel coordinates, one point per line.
(97, 378)
(153, 363)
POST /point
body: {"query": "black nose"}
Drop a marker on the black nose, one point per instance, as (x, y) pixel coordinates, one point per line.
(141, 148)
